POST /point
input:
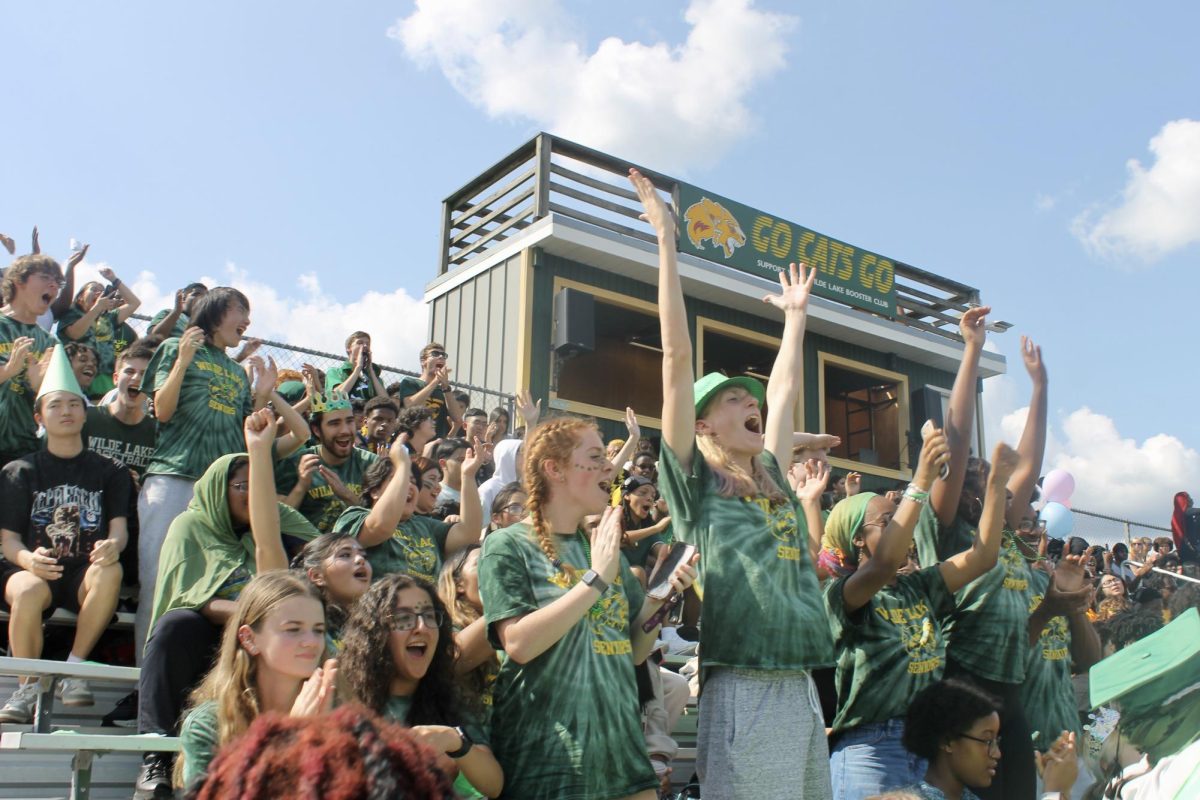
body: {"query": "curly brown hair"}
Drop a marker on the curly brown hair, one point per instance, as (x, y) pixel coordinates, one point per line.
(366, 667)
(350, 754)
(18, 273)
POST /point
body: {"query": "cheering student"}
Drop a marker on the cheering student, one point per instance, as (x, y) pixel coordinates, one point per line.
(396, 537)
(270, 660)
(954, 726)
(764, 625)
(886, 622)
(337, 565)
(201, 398)
(95, 319)
(379, 424)
(358, 377)
(986, 634)
(63, 514)
(28, 287)
(233, 529)
(643, 534)
(398, 661)
(432, 390)
(321, 481)
(172, 322)
(571, 619)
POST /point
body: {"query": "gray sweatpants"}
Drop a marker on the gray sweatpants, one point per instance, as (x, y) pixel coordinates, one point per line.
(761, 736)
(162, 499)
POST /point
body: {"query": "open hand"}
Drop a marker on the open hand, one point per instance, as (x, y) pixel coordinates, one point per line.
(606, 545)
(78, 257)
(190, 344)
(657, 212)
(795, 287)
(810, 480)
(631, 425)
(316, 695)
(973, 325)
(8, 244)
(1058, 766)
(310, 464)
(477, 455)
(527, 409)
(1031, 354)
(853, 483)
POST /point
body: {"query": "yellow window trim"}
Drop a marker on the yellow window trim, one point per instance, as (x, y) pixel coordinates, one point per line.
(878, 372)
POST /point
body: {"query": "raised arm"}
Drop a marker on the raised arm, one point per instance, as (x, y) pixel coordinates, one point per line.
(81, 326)
(165, 326)
(892, 550)
(961, 415)
(381, 523)
(269, 554)
(631, 441)
(962, 568)
(66, 295)
(679, 410)
(469, 528)
(131, 301)
(808, 482)
(1033, 439)
(787, 375)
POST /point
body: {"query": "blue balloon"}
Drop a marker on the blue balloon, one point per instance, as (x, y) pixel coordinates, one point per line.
(1059, 520)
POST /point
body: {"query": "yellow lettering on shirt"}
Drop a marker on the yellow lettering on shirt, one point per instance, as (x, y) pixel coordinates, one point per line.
(1016, 584)
(621, 647)
(787, 553)
(1057, 654)
(925, 666)
(221, 407)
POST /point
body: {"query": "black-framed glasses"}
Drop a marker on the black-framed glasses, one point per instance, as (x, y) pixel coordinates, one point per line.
(992, 744)
(407, 620)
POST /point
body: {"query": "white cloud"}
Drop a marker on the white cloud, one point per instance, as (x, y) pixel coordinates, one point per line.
(1045, 202)
(1159, 210)
(1114, 475)
(397, 322)
(671, 105)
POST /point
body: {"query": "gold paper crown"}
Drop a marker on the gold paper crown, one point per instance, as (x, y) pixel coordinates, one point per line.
(333, 400)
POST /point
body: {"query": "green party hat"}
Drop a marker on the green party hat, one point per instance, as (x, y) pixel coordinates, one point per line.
(59, 376)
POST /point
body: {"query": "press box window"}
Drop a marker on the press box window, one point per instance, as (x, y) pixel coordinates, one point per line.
(733, 355)
(610, 357)
(866, 408)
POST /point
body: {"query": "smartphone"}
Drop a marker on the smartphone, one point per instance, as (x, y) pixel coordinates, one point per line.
(109, 291)
(927, 429)
(659, 585)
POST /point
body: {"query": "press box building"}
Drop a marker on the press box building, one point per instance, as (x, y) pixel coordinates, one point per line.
(548, 279)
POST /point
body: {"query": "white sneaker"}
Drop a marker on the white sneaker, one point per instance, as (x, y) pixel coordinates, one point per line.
(21, 705)
(74, 692)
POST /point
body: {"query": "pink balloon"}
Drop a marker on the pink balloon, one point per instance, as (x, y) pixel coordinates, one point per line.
(1058, 486)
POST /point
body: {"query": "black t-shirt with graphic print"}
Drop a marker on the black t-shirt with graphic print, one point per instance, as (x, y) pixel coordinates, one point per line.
(64, 504)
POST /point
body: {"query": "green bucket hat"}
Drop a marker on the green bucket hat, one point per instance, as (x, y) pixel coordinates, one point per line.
(707, 387)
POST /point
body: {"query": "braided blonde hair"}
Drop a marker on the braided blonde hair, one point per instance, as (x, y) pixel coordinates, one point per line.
(551, 441)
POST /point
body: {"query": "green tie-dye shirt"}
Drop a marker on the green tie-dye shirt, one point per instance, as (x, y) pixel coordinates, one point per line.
(416, 548)
(889, 649)
(214, 400)
(987, 633)
(18, 431)
(106, 337)
(566, 725)
(763, 608)
(1047, 693)
(181, 323)
(320, 505)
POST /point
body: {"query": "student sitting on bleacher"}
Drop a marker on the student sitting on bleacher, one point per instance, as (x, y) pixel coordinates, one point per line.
(62, 518)
(232, 529)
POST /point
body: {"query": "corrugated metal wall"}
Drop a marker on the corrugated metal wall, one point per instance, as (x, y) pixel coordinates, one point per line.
(478, 324)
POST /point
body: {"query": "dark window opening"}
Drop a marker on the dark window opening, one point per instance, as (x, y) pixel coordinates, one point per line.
(864, 410)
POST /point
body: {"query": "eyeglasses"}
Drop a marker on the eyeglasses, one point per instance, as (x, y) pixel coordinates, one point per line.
(1027, 525)
(407, 620)
(515, 508)
(992, 744)
(240, 486)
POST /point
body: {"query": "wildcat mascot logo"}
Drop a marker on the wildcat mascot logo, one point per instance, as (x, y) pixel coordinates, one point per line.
(708, 220)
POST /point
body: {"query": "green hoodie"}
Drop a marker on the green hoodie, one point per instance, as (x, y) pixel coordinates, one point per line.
(202, 549)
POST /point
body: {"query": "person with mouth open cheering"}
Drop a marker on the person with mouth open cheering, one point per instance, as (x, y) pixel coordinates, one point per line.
(571, 618)
(764, 626)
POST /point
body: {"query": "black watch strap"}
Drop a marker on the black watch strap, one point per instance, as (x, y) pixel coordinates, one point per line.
(467, 743)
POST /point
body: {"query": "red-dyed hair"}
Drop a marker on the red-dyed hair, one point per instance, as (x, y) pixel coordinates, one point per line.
(350, 754)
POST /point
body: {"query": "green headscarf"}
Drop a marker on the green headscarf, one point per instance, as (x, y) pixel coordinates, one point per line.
(844, 521)
(202, 549)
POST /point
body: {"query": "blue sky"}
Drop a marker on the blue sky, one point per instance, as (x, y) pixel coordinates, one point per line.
(985, 142)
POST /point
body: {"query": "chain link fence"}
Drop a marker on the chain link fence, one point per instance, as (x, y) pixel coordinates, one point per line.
(290, 358)
(1102, 529)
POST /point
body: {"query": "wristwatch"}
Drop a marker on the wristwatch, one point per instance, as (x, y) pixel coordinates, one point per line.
(467, 743)
(593, 579)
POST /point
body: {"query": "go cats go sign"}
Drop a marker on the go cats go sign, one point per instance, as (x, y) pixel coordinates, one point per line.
(729, 233)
